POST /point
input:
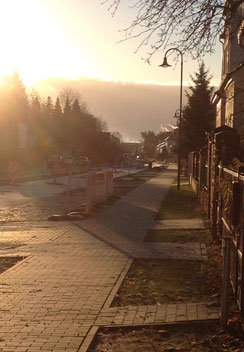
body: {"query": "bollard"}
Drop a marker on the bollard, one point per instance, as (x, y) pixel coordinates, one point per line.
(68, 193)
(226, 243)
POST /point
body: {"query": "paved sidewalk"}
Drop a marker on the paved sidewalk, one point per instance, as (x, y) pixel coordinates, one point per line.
(51, 299)
(156, 314)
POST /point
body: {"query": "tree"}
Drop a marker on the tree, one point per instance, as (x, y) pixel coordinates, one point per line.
(117, 135)
(57, 112)
(75, 108)
(150, 141)
(69, 94)
(14, 111)
(67, 108)
(48, 108)
(191, 25)
(199, 114)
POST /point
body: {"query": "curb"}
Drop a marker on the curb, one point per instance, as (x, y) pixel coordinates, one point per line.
(94, 329)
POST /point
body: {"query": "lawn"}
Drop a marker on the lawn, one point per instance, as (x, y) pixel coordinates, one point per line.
(172, 338)
(161, 281)
(180, 204)
(199, 236)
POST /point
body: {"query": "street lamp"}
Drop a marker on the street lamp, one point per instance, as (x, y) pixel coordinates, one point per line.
(166, 65)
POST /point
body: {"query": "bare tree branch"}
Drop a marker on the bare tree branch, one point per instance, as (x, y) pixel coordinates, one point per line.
(192, 25)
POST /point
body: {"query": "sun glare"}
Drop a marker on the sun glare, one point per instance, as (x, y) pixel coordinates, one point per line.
(35, 44)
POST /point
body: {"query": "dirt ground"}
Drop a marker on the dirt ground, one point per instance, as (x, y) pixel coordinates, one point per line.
(161, 281)
(185, 338)
(8, 262)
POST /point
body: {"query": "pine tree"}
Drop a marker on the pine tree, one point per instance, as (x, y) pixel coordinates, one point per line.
(67, 108)
(75, 109)
(36, 108)
(198, 114)
(58, 122)
(150, 141)
(57, 113)
(14, 112)
(48, 108)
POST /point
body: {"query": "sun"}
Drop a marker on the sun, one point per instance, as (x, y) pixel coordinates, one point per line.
(33, 42)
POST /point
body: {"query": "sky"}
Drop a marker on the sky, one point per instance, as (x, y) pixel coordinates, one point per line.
(79, 39)
(72, 38)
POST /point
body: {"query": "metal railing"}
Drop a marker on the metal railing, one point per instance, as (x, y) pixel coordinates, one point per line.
(230, 224)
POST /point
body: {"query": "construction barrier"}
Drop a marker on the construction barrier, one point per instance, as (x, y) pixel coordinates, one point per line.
(99, 187)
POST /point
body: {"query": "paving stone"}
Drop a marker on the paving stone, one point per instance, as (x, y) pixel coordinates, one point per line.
(52, 300)
(165, 313)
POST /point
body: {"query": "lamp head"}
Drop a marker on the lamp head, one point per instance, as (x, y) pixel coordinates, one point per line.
(165, 63)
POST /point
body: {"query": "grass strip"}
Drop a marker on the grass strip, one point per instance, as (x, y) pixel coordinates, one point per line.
(200, 337)
(168, 281)
(198, 236)
(180, 204)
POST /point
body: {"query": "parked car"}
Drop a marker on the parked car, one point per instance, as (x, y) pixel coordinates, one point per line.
(54, 161)
(83, 161)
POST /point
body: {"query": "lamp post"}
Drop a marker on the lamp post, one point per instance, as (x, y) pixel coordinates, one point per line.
(166, 65)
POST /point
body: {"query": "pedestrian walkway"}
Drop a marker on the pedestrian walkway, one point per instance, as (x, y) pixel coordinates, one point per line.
(53, 299)
(156, 314)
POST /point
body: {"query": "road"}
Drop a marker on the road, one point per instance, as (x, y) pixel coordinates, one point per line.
(36, 200)
(53, 299)
(19, 194)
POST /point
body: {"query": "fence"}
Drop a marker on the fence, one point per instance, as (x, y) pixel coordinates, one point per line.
(198, 175)
(99, 186)
(230, 223)
(222, 195)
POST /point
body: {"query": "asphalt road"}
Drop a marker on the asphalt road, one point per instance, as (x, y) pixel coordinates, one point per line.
(36, 200)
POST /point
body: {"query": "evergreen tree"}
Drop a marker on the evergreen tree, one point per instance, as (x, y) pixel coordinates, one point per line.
(58, 126)
(48, 107)
(150, 141)
(198, 114)
(36, 110)
(14, 111)
(75, 109)
(57, 113)
(67, 108)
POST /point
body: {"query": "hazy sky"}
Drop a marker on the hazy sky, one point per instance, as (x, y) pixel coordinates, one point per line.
(72, 38)
(129, 108)
(54, 42)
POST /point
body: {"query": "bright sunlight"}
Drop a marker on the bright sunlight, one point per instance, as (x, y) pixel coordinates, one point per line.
(34, 43)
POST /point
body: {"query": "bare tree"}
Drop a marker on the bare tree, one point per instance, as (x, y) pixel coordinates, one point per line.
(191, 25)
(69, 94)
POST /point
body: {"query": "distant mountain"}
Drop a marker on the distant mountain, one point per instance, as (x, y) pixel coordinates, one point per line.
(126, 107)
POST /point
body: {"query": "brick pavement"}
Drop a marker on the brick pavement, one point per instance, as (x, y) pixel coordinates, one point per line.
(156, 314)
(40, 209)
(52, 300)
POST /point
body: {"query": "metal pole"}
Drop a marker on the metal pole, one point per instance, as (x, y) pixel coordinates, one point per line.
(180, 123)
(68, 192)
(226, 243)
(165, 64)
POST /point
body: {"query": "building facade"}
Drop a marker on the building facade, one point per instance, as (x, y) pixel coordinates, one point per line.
(229, 98)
